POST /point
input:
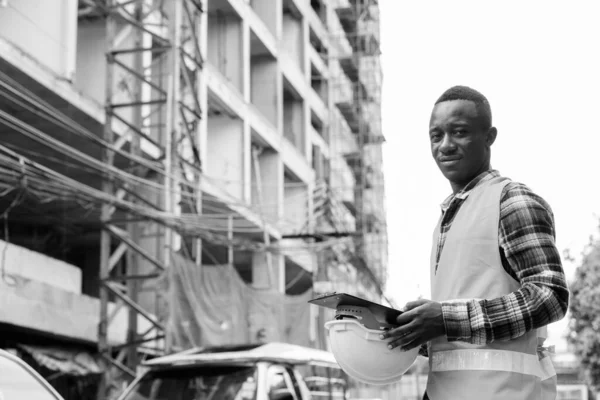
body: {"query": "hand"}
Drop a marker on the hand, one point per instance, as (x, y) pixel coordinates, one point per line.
(420, 322)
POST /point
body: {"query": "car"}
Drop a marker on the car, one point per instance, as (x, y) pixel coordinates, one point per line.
(272, 371)
(19, 381)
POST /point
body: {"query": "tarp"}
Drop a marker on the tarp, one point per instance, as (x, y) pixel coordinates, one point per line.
(212, 306)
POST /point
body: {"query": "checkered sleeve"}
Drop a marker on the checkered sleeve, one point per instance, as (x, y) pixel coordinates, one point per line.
(529, 254)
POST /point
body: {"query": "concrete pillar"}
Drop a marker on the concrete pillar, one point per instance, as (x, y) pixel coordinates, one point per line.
(260, 273)
(247, 130)
(247, 162)
(310, 207)
(306, 130)
(246, 63)
(277, 10)
(261, 277)
(279, 124)
(307, 74)
(271, 173)
(152, 241)
(202, 87)
(296, 206)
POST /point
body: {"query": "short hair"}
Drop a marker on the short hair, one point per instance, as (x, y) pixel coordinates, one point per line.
(482, 104)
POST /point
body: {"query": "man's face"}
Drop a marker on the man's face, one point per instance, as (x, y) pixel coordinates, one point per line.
(460, 143)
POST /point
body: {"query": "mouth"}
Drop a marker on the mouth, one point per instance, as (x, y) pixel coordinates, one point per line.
(449, 160)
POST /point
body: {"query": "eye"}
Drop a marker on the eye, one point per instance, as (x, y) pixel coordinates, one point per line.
(460, 132)
(435, 136)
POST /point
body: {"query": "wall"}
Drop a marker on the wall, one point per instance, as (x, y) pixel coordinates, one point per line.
(46, 30)
(295, 207)
(51, 310)
(225, 161)
(265, 94)
(293, 39)
(293, 122)
(90, 75)
(269, 12)
(44, 294)
(225, 46)
(29, 264)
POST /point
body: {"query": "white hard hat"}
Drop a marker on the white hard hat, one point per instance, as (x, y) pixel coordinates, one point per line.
(364, 356)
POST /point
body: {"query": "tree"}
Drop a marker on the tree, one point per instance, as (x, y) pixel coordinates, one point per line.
(585, 313)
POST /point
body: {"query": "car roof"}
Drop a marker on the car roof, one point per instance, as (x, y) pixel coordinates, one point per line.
(273, 352)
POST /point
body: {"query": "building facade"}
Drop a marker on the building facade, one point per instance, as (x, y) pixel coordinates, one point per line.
(163, 160)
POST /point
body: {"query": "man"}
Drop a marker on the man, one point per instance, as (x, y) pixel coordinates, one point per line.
(496, 274)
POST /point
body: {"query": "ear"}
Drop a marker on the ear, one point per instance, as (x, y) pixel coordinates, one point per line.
(490, 137)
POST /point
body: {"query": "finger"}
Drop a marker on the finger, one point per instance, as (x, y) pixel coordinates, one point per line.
(413, 339)
(413, 304)
(406, 342)
(407, 317)
(396, 332)
(411, 344)
(400, 332)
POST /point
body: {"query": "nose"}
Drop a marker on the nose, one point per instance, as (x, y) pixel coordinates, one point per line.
(447, 146)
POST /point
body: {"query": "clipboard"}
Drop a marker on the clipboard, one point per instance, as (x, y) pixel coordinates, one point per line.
(341, 301)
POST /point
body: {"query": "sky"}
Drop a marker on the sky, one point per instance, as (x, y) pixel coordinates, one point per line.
(538, 63)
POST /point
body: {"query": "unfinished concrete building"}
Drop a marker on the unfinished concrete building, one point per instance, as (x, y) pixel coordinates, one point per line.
(156, 153)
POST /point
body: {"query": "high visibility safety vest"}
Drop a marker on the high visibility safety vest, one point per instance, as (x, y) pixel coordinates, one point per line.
(470, 267)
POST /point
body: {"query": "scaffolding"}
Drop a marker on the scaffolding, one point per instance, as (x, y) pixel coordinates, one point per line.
(356, 130)
(154, 58)
(141, 186)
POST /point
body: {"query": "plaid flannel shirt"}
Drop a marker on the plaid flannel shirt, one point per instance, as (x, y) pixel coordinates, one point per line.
(528, 254)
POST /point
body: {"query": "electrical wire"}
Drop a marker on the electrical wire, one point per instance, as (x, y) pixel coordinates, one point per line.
(50, 186)
(68, 124)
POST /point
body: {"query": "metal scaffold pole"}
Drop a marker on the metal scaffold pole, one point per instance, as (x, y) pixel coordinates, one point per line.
(360, 8)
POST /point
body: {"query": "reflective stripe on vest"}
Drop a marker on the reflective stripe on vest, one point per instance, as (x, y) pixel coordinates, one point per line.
(492, 360)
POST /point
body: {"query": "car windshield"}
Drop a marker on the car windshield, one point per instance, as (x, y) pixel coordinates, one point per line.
(197, 383)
